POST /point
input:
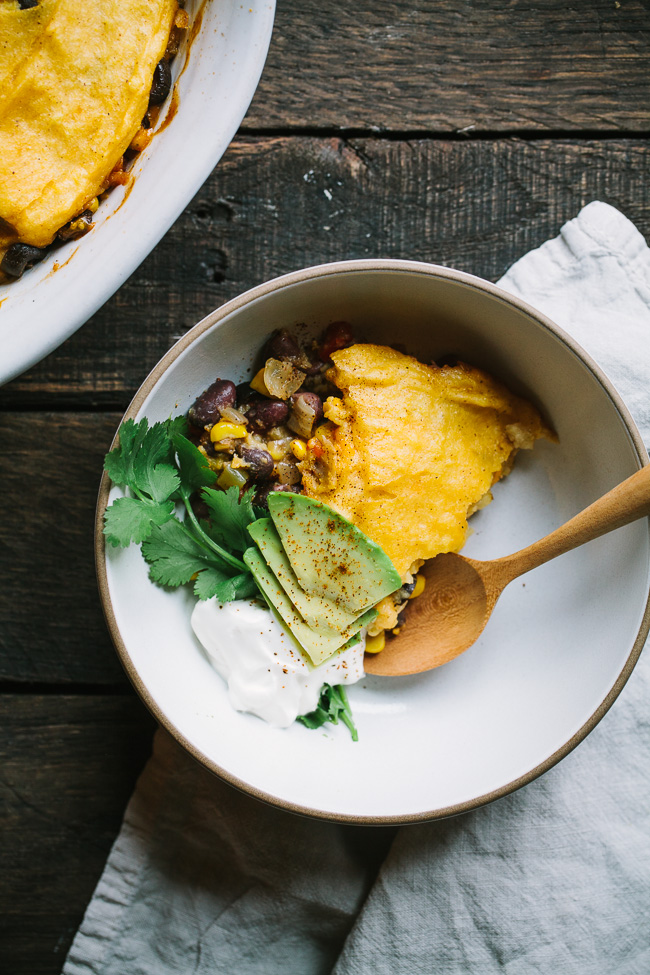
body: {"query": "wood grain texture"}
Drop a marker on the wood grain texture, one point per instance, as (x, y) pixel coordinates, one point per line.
(52, 627)
(276, 204)
(492, 65)
(68, 766)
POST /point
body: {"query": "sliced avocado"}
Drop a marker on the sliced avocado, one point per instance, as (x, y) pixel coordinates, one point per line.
(330, 556)
(321, 614)
(317, 646)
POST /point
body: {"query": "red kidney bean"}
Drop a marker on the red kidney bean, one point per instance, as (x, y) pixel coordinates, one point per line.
(337, 336)
(208, 406)
(282, 345)
(262, 496)
(263, 413)
(260, 462)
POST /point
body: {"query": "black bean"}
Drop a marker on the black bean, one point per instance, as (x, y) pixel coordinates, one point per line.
(77, 227)
(259, 461)
(27, 4)
(208, 406)
(405, 591)
(315, 366)
(19, 257)
(245, 393)
(199, 507)
(282, 345)
(263, 414)
(262, 496)
(195, 433)
(162, 83)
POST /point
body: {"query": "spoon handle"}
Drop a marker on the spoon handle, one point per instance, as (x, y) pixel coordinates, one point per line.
(623, 504)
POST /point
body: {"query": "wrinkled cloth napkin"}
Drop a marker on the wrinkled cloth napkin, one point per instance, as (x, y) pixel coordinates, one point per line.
(552, 880)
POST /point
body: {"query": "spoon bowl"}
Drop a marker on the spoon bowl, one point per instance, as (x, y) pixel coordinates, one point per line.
(460, 593)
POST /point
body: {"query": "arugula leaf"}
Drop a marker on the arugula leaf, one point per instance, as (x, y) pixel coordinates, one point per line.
(230, 516)
(131, 520)
(332, 704)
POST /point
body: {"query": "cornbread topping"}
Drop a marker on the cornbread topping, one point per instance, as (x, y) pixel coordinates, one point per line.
(75, 85)
(410, 449)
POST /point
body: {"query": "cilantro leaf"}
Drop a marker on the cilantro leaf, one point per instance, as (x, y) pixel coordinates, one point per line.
(230, 517)
(175, 555)
(176, 425)
(160, 466)
(193, 465)
(212, 582)
(332, 704)
(153, 474)
(118, 464)
(131, 520)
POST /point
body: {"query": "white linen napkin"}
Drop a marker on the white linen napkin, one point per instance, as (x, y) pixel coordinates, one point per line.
(552, 880)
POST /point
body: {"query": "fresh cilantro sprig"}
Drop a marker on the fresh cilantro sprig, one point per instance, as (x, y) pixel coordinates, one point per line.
(332, 705)
(161, 467)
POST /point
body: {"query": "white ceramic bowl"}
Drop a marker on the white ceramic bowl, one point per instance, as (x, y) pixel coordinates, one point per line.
(215, 85)
(562, 640)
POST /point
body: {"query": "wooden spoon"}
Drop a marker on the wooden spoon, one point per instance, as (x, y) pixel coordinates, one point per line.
(460, 593)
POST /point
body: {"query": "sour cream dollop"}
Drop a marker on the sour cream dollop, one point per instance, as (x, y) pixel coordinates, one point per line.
(266, 672)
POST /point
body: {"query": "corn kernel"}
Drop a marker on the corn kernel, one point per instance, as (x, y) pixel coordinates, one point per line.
(276, 450)
(299, 449)
(420, 583)
(223, 429)
(375, 643)
(258, 384)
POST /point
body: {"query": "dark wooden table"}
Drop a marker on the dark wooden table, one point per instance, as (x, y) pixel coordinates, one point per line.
(461, 133)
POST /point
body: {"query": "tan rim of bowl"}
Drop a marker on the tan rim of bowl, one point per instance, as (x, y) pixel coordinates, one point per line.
(278, 284)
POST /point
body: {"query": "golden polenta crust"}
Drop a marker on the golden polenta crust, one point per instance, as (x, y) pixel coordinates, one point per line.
(411, 449)
(74, 86)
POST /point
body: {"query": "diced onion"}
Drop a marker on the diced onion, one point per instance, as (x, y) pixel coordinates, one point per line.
(281, 378)
(286, 472)
(301, 419)
(231, 415)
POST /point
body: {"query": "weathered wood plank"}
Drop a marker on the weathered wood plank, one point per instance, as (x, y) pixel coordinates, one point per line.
(52, 627)
(440, 67)
(277, 204)
(68, 766)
